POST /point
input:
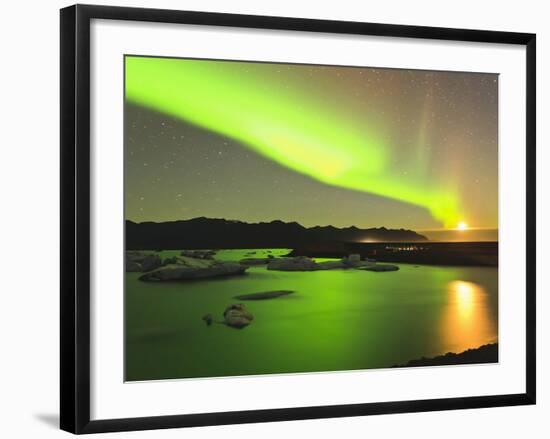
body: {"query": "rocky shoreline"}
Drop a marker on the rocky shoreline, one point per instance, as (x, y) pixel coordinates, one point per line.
(487, 353)
(202, 264)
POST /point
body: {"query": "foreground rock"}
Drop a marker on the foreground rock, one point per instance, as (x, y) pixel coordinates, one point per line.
(199, 254)
(208, 319)
(379, 267)
(299, 263)
(264, 295)
(135, 255)
(237, 316)
(331, 265)
(303, 263)
(255, 261)
(133, 267)
(352, 260)
(138, 262)
(188, 261)
(190, 269)
(151, 262)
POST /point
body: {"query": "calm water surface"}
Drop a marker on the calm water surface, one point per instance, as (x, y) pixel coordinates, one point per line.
(336, 320)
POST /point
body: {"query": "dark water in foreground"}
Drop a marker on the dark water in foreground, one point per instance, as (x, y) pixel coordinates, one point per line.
(336, 320)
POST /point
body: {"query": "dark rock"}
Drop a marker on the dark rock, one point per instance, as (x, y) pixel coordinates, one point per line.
(199, 254)
(237, 316)
(151, 262)
(379, 267)
(139, 261)
(135, 256)
(132, 266)
(264, 295)
(303, 263)
(208, 319)
(170, 261)
(178, 260)
(352, 260)
(191, 268)
(299, 263)
(330, 265)
(254, 261)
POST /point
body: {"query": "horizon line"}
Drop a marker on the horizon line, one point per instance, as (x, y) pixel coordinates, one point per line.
(319, 225)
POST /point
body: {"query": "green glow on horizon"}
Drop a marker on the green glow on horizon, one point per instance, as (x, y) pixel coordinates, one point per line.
(283, 125)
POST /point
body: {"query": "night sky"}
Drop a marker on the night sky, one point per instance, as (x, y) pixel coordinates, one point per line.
(314, 144)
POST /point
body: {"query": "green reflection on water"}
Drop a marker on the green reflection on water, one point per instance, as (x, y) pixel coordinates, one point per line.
(336, 320)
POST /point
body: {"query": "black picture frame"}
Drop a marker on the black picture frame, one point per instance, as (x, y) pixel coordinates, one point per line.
(75, 217)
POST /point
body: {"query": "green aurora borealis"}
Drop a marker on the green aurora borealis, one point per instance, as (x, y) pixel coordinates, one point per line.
(420, 145)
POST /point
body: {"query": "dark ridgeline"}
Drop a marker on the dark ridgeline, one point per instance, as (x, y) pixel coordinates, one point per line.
(208, 233)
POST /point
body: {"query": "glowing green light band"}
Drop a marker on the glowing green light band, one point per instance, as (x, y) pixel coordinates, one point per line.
(281, 124)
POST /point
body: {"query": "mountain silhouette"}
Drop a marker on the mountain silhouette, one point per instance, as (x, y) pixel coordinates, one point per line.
(211, 233)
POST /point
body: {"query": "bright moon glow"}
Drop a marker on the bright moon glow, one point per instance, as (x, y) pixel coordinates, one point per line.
(462, 226)
(286, 125)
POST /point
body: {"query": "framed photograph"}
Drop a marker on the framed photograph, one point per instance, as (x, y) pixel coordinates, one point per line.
(268, 218)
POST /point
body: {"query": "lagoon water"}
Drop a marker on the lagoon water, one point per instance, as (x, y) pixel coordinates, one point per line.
(335, 320)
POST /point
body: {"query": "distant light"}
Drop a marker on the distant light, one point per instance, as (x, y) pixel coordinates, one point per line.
(462, 226)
